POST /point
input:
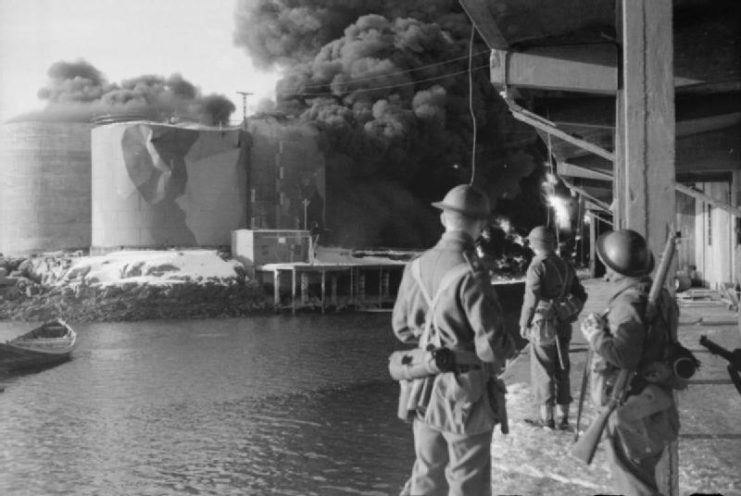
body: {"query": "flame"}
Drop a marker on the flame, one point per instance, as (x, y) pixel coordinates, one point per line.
(561, 209)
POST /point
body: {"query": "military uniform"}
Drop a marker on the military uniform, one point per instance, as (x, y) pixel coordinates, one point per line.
(453, 437)
(626, 343)
(545, 280)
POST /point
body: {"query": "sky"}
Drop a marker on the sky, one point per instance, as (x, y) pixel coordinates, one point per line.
(125, 39)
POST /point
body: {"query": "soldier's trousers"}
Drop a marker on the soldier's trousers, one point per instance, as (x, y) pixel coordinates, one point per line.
(450, 464)
(550, 382)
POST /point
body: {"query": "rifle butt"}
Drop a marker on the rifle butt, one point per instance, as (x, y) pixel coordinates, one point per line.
(586, 446)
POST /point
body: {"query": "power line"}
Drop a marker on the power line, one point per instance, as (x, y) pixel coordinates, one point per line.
(399, 85)
(470, 104)
(365, 78)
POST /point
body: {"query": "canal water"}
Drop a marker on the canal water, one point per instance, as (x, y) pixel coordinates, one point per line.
(284, 405)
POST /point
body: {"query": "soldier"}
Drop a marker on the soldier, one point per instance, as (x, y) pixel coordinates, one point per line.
(549, 277)
(625, 338)
(453, 434)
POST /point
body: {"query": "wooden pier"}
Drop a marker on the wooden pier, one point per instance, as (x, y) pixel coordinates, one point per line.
(324, 285)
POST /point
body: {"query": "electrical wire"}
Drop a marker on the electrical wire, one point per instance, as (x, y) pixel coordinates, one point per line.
(391, 86)
(405, 71)
(470, 104)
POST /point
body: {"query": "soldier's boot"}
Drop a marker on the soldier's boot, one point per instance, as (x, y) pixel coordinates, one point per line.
(546, 416)
(563, 416)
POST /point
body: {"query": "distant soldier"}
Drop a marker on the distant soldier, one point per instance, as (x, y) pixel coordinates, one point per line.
(624, 339)
(453, 430)
(550, 279)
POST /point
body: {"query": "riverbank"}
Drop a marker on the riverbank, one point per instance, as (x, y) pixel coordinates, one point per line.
(128, 286)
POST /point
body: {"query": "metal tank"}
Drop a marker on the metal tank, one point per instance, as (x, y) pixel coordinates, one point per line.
(45, 187)
(159, 185)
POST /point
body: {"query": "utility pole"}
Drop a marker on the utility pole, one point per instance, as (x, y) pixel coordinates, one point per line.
(244, 94)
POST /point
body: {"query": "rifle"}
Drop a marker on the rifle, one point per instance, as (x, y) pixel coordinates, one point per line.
(733, 357)
(586, 446)
(583, 393)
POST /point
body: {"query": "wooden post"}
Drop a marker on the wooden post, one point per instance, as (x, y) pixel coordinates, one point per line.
(645, 143)
(646, 124)
(592, 244)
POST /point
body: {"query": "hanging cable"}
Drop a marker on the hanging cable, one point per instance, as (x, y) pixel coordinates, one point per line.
(405, 71)
(391, 86)
(470, 104)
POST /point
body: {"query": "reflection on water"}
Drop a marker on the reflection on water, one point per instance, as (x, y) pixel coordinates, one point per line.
(267, 405)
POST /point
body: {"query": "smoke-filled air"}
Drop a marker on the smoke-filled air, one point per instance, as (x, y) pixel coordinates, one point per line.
(388, 83)
(78, 91)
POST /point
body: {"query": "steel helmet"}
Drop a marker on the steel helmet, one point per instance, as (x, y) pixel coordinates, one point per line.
(466, 200)
(626, 252)
(542, 238)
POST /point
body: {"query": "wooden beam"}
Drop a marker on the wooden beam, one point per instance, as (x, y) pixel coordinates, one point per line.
(573, 170)
(727, 207)
(549, 127)
(599, 203)
(580, 68)
(482, 18)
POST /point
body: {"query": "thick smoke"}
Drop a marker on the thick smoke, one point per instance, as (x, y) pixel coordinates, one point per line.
(78, 91)
(388, 83)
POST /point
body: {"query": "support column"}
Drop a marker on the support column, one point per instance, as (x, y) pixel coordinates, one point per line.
(646, 120)
(645, 137)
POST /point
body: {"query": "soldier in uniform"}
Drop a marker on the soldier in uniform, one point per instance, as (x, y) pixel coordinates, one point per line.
(452, 437)
(549, 276)
(623, 339)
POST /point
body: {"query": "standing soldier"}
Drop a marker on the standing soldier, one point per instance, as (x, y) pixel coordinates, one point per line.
(627, 339)
(453, 431)
(549, 278)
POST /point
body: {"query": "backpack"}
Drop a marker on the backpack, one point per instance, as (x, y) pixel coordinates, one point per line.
(567, 306)
(549, 314)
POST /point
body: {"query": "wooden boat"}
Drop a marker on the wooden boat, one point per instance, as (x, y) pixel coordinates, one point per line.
(50, 343)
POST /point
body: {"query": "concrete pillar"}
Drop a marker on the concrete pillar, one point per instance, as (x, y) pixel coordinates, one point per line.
(645, 138)
(645, 143)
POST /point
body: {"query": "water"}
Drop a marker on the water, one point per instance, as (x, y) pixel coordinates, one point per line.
(266, 405)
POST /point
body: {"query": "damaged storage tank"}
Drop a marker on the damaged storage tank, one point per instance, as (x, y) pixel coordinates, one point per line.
(158, 185)
(45, 181)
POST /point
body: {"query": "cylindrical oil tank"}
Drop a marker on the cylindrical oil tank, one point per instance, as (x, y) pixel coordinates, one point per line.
(45, 186)
(159, 185)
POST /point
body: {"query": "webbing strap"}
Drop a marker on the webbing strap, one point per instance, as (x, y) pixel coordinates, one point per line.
(451, 276)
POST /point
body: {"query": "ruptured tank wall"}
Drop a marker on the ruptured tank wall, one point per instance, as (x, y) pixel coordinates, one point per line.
(45, 183)
(158, 185)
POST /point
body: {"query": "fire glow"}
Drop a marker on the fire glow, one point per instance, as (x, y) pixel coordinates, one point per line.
(562, 211)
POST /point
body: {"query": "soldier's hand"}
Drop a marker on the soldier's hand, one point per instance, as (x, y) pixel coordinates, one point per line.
(525, 333)
(592, 325)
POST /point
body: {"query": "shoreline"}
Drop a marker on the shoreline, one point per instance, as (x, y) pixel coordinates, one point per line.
(137, 302)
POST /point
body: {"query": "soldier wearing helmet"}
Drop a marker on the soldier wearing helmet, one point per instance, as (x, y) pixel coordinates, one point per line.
(624, 338)
(453, 432)
(549, 277)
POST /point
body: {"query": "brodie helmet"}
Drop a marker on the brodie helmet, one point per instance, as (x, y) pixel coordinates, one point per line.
(466, 200)
(542, 238)
(626, 252)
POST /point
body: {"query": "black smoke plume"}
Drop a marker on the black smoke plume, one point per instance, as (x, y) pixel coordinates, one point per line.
(78, 91)
(388, 83)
